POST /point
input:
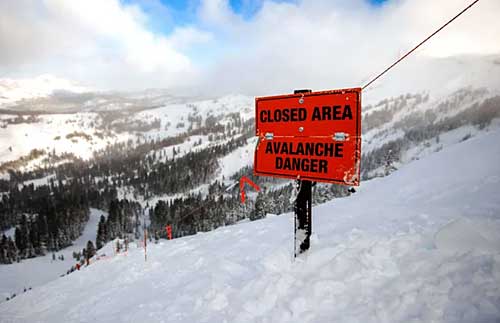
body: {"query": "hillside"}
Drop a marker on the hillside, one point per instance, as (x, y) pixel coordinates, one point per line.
(151, 159)
(178, 164)
(34, 272)
(419, 245)
(93, 129)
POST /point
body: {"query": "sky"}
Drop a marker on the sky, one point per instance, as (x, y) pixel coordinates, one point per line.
(232, 46)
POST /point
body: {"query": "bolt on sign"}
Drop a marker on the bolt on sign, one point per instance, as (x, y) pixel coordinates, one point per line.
(312, 136)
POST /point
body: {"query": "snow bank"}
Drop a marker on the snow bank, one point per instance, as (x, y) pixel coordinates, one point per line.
(463, 235)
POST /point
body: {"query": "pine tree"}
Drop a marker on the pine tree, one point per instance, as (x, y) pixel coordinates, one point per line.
(101, 237)
(388, 165)
(4, 253)
(13, 252)
(90, 251)
(260, 208)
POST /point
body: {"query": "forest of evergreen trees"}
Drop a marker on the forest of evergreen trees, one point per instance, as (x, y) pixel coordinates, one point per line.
(418, 128)
(196, 213)
(123, 221)
(49, 217)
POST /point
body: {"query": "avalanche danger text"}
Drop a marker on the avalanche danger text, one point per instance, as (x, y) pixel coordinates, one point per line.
(308, 149)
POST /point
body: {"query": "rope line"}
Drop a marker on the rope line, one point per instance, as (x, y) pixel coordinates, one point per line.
(421, 43)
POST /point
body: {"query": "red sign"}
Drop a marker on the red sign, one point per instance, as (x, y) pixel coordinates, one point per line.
(311, 136)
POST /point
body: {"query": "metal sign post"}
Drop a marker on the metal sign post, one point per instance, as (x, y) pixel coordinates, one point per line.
(303, 216)
(303, 210)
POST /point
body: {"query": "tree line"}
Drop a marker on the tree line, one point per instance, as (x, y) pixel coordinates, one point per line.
(46, 218)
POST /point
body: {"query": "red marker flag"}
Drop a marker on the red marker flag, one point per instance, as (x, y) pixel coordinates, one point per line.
(244, 180)
(169, 231)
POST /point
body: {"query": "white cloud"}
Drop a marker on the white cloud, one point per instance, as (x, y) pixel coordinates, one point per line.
(217, 13)
(183, 38)
(330, 44)
(103, 43)
(318, 44)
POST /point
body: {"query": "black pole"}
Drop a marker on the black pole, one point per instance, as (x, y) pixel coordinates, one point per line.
(303, 210)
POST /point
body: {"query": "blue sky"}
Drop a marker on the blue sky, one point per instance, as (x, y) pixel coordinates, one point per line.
(167, 15)
(183, 12)
(244, 7)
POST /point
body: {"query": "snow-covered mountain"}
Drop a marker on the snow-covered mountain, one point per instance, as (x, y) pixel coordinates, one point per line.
(438, 76)
(48, 94)
(83, 133)
(420, 245)
(151, 158)
(81, 121)
(14, 90)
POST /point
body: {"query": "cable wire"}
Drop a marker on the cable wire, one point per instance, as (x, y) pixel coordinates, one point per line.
(421, 43)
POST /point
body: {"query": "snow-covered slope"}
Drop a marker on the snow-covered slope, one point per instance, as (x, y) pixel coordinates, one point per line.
(83, 133)
(31, 273)
(13, 90)
(420, 245)
(59, 133)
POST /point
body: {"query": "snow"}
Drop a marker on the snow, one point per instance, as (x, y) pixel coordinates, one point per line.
(236, 160)
(465, 235)
(13, 90)
(39, 181)
(49, 132)
(228, 165)
(420, 245)
(448, 74)
(9, 232)
(183, 148)
(178, 113)
(457, 101)
(38, 271)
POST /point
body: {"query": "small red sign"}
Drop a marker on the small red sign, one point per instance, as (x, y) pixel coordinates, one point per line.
(311, 136)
